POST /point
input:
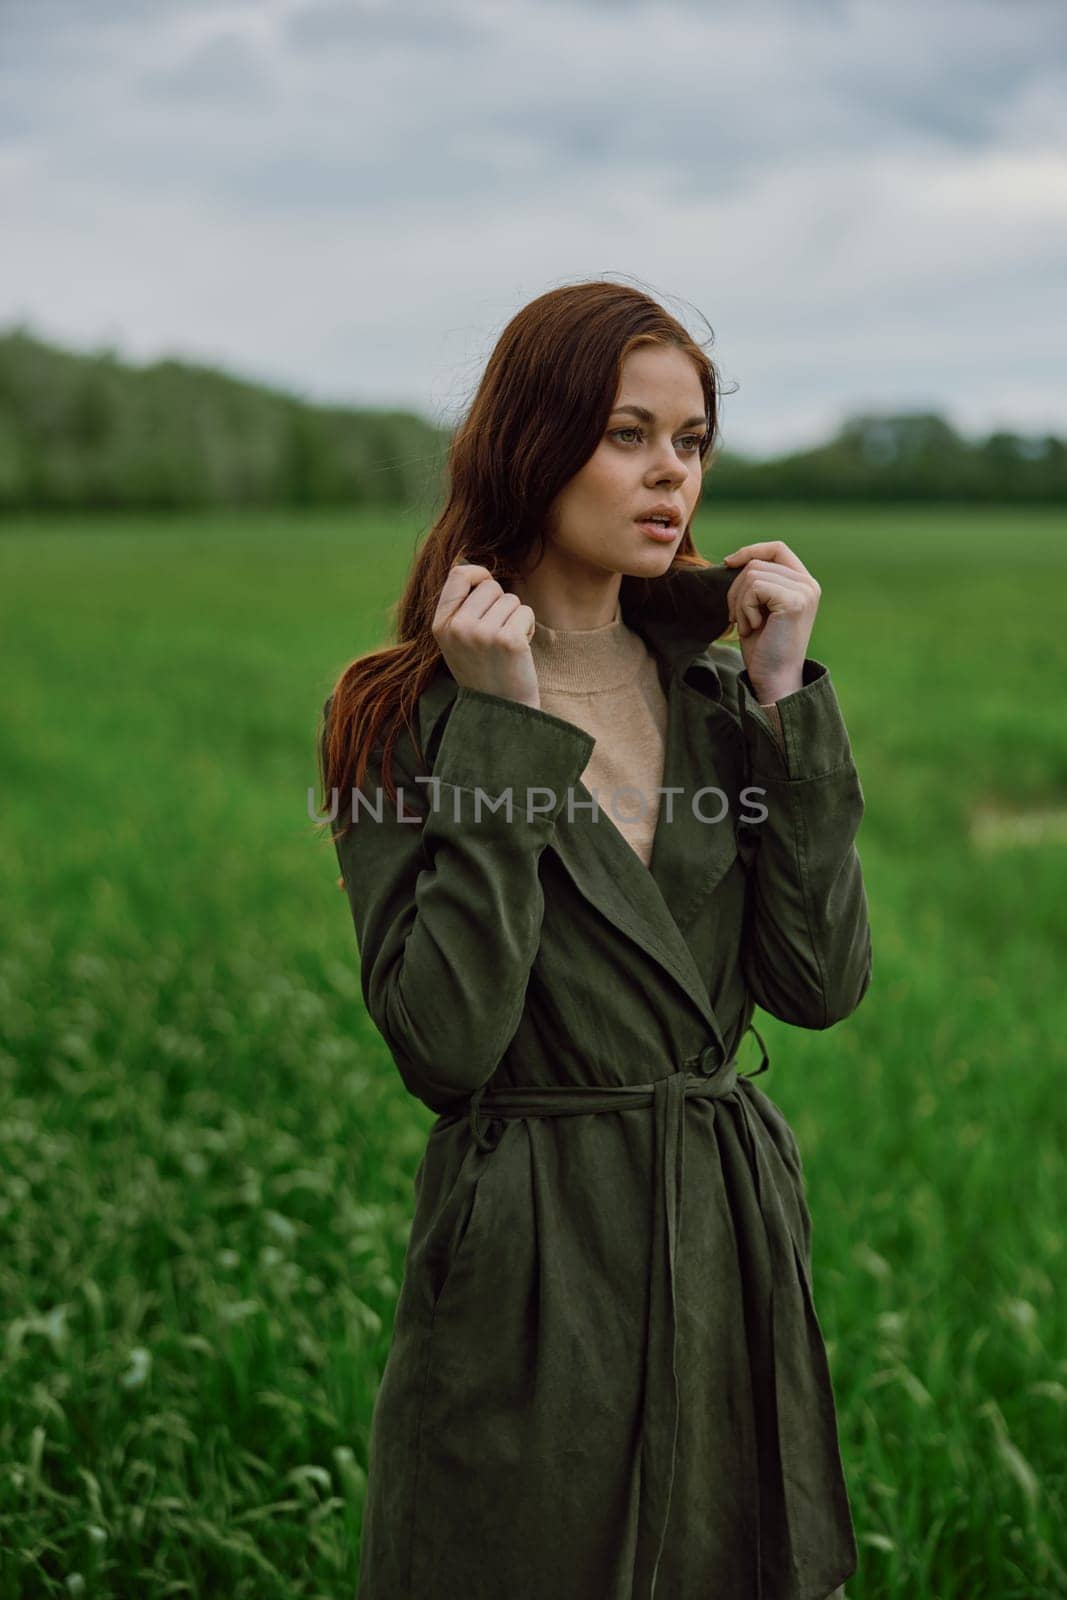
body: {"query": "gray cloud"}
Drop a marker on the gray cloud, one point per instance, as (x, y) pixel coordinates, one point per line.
(225, 69)
(332, 193)
(330, 25)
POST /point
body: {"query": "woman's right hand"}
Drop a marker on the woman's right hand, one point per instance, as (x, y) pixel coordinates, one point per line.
(484, 635)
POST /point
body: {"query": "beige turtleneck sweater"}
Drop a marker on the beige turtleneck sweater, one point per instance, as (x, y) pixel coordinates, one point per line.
(605, 680)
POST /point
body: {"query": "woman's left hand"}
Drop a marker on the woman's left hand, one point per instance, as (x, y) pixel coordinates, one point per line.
(773, 601)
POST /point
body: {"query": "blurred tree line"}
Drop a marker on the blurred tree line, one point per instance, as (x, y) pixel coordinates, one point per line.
(913, 456)
(89, 430)
(94, 431)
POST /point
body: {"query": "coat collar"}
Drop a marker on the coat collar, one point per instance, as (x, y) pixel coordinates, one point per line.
(679, 616)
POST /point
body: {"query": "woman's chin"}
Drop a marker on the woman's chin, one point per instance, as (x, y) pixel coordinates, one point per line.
(653, 560)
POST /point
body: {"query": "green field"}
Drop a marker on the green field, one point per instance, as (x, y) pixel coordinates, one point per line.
(206, 1154)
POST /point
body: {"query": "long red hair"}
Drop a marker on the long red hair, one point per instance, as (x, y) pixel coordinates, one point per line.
(538, 415)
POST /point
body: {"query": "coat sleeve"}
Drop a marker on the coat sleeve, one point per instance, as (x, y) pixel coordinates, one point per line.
(807, 940)
(448, 912)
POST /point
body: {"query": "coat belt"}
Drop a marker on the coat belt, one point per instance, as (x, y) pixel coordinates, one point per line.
(667, 1097)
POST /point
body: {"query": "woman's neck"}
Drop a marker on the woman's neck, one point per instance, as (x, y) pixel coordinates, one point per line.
(586, 660)
(564, 602)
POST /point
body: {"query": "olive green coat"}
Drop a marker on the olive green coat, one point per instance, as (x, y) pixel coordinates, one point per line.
(607, 1377)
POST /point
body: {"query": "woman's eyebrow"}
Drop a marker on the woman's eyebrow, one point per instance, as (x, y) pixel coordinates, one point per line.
(647, 416)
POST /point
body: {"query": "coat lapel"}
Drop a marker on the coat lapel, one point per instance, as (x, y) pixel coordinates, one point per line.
(691, 850)
(678, 616)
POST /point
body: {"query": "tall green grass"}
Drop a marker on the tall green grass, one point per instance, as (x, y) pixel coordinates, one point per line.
(206, 1155)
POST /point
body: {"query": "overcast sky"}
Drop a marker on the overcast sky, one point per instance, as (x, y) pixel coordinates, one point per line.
(867, 202)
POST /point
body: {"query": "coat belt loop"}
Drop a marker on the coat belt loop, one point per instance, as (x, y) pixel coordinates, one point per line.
(765, 1063)
(480, 1139)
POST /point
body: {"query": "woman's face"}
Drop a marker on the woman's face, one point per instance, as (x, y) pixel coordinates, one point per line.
(637, 464)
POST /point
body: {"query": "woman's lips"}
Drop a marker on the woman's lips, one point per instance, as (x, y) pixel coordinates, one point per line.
(661, 534)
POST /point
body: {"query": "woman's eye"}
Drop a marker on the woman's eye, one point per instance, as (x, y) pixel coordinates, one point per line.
(696, 438)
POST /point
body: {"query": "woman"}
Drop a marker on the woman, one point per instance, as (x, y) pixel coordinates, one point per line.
(606, 1375)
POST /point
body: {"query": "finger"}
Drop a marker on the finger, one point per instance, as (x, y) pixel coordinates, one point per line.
(756, 570)
(757, 573)
(776, 569)
(469, 572)
(497, 616)
(768, 586)
(521, 622)
(775, 550)
(463, 576)
(479, 604)
(765, 588)
(749, 615)
(462, 581)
